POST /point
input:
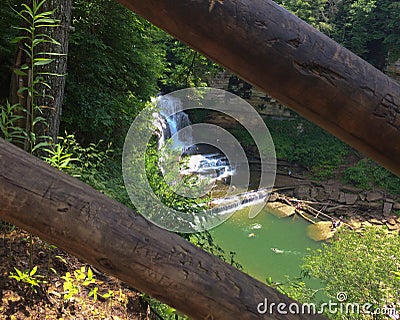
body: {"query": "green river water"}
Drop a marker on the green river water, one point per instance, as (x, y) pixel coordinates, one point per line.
(253, 240)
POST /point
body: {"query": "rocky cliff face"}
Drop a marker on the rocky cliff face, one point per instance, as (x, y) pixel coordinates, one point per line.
(393, 70)
(264, 104)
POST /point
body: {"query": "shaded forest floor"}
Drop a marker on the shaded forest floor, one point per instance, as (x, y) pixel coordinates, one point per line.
(42, 295)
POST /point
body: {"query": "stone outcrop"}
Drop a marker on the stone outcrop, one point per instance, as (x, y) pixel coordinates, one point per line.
(264, 104)
(320, 231)
(280, 210)
(358, 207)
(374, 196)
(393, 70)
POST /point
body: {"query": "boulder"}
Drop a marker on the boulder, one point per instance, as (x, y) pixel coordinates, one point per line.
(366, 224)
(273, 197)
(396, 206)
(387, 208)
(374, 196)
(332, 192)
(393, 227)
(323, 195)
(303, 192)
(280, 210)
(350, 198)
(320, 231)
(342, 197)
(314, 193)
(375, 221)
(354, 223)
(334, 195)
(351, 189)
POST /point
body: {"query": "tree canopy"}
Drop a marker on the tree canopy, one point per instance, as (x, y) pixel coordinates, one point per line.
(114, 64)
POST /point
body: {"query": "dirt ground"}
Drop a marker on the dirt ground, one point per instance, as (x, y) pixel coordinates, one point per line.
(44, 294)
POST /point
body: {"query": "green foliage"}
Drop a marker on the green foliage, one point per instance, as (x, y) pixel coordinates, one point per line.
(82, 280)
(364, 266)
(58, 158)
(367, 174)
(28, 277)
(243, 136)
(114, 62)
(369, 28)
(77, 160)
(392, 30)
(165, 312)
(158, 181)
(97, 165)
(304, 143)
(314, 12)
(295, 288)
(9, 118)
(185, 67)
(205, 241)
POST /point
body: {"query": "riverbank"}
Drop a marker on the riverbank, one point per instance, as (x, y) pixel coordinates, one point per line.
(358, 208)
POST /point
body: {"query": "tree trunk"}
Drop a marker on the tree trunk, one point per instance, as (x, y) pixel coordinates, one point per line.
(52, 98)
(117, 240)
(53, 106)
(272, 49)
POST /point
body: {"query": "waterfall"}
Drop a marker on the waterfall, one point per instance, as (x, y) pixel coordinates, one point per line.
(239, 201)
(170, 120)
(211, 166)
(215, 166)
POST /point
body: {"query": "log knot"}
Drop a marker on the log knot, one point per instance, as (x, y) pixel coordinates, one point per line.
(106, 263)
(389, 110)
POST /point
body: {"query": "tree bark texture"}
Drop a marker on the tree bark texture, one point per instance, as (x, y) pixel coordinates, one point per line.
(51, 99)
(117, 240)
(53, 106)
(302, 68)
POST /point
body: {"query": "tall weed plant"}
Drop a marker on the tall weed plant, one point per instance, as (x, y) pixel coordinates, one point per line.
(34, 22)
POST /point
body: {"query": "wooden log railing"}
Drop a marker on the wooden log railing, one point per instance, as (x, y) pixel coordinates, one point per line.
(68, 213)
(294, 63)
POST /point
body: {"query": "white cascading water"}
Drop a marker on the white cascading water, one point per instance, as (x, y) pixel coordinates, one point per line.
(170, 120)
(213, 166)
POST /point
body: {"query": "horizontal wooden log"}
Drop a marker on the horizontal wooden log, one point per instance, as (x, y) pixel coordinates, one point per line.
(73, 216)
(294, 63)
